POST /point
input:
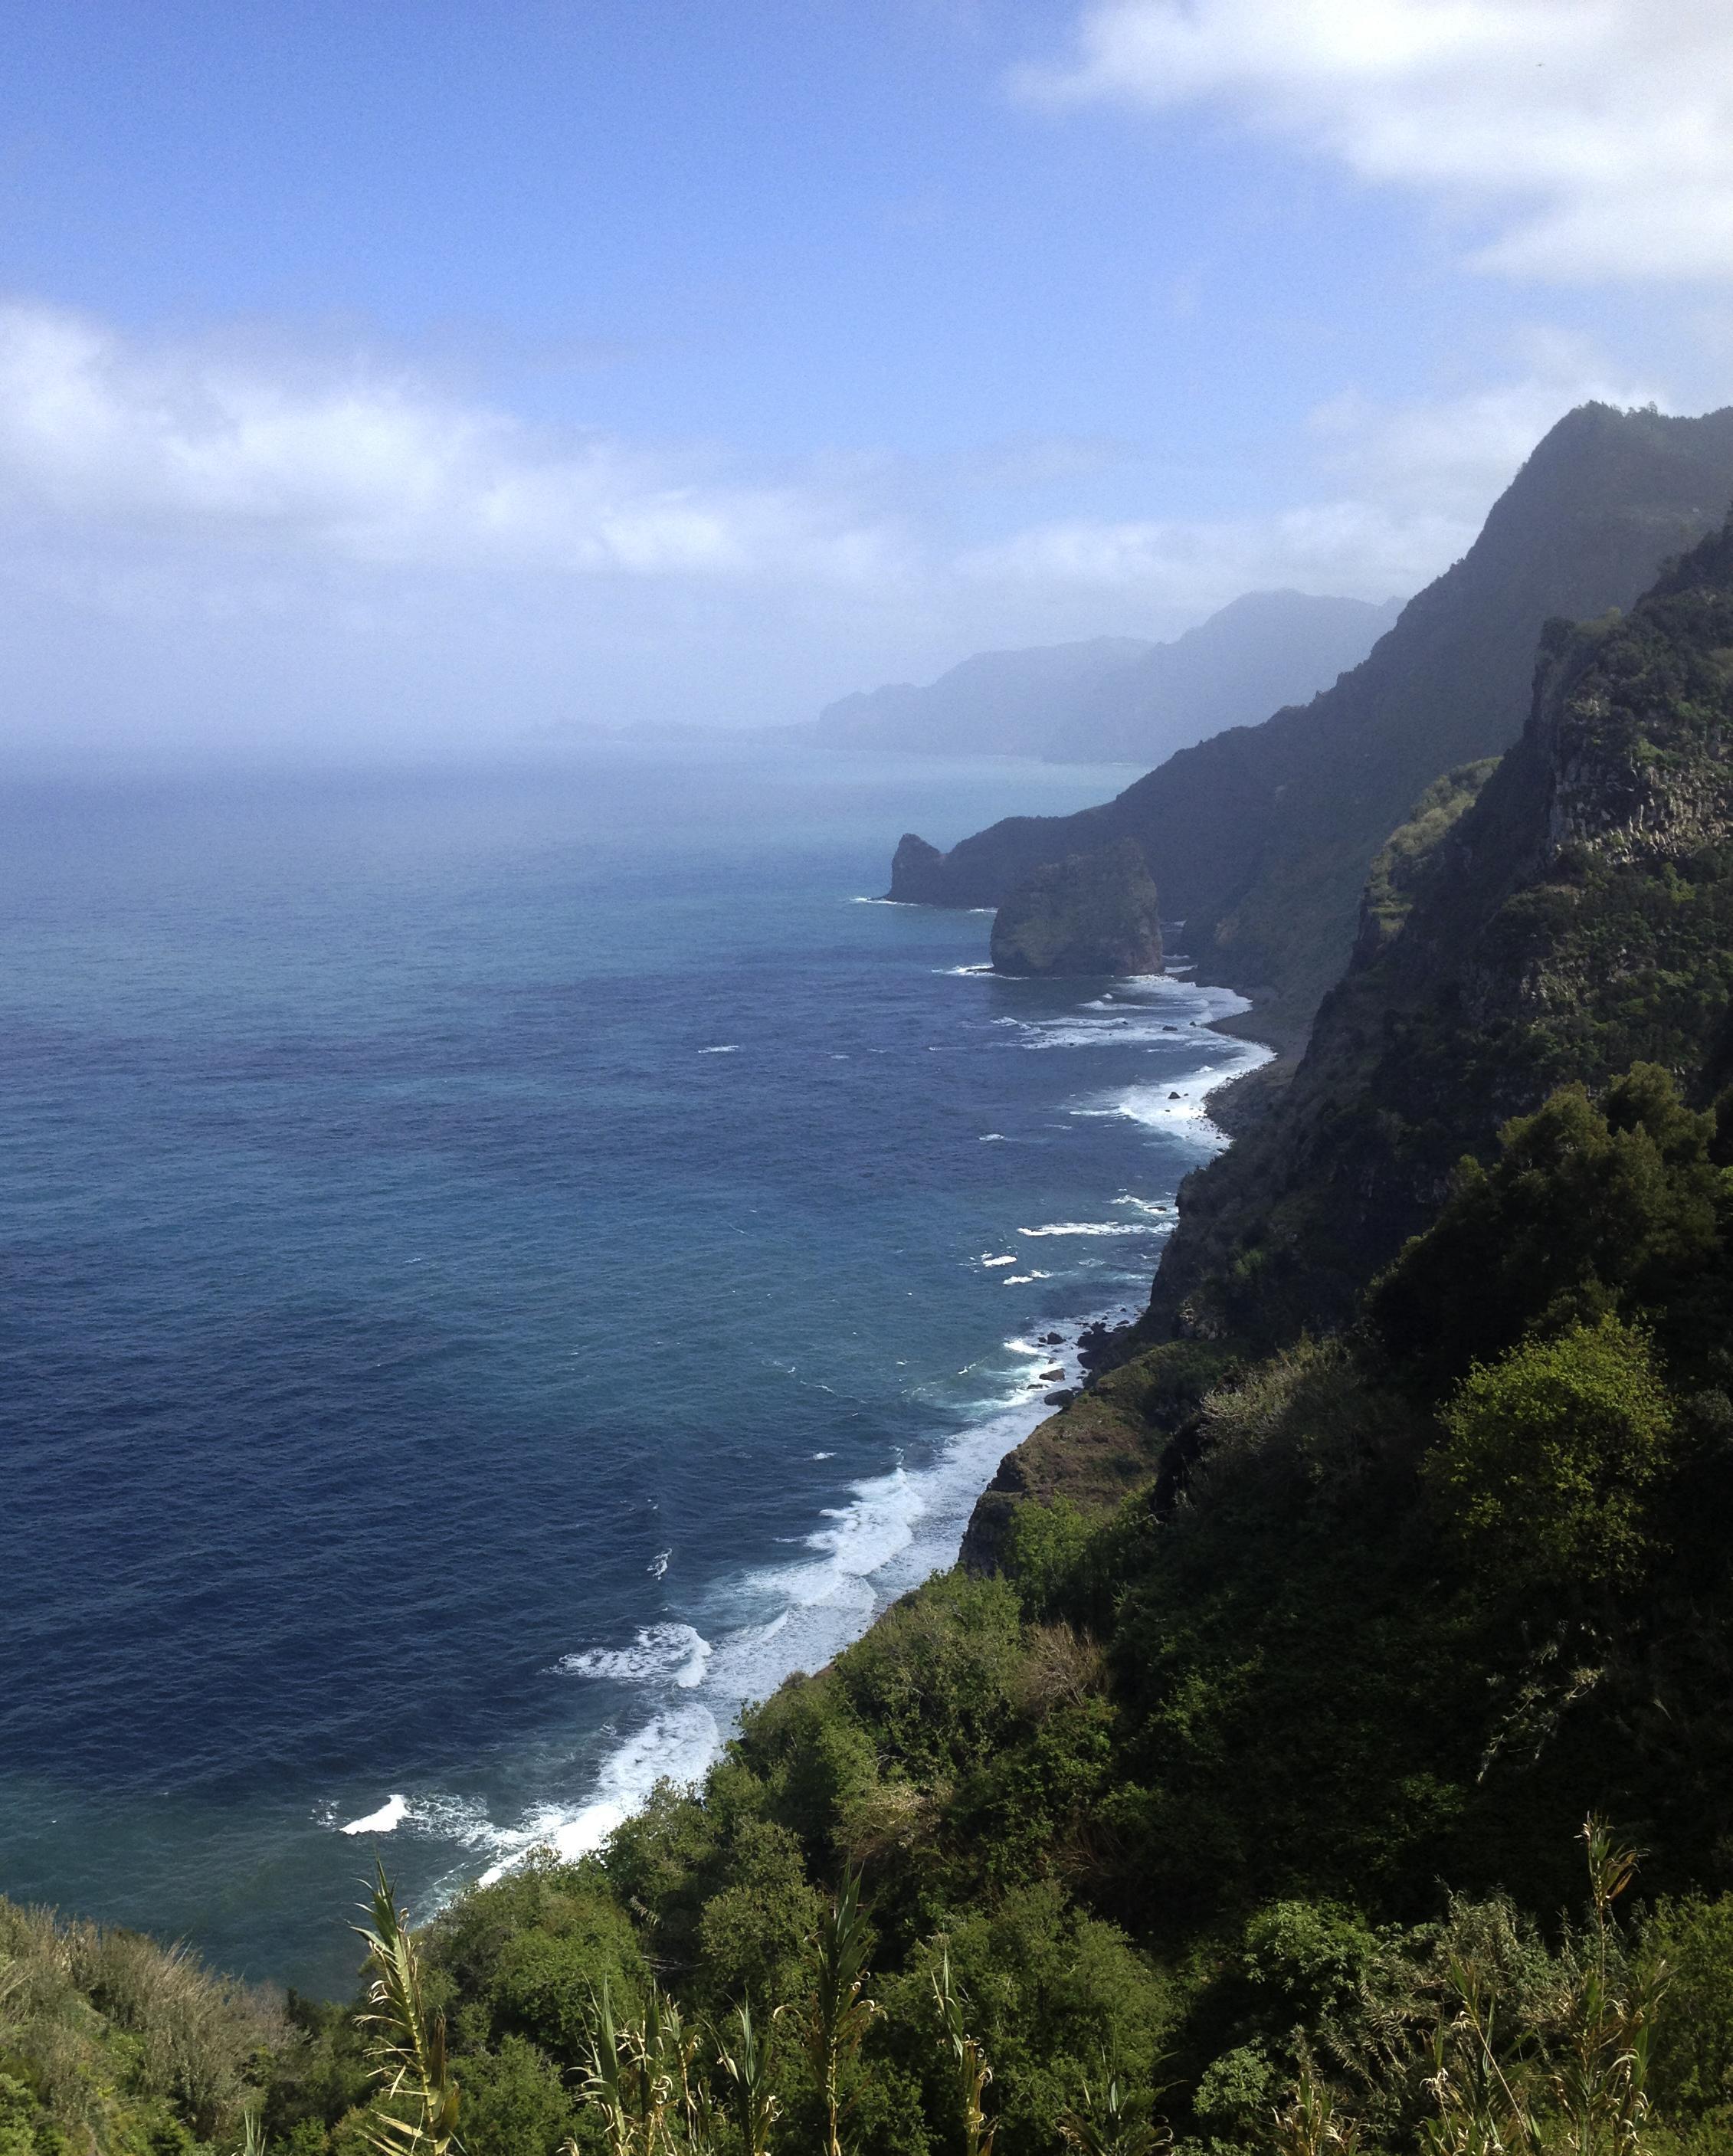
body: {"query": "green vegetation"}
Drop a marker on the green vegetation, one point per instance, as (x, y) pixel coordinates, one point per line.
(109, 2041)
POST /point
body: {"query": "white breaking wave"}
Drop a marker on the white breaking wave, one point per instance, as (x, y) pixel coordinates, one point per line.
(675, 1652)
(1180, 1103)
(449, 1818)
(1022, 1279)
(893, 1531)
(999, 1261)
(657, 1566)
(1094, 1228)
(726, 1048)
(676, 1745)
(390, 1816)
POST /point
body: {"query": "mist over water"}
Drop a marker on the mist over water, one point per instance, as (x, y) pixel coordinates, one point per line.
(501, 1269)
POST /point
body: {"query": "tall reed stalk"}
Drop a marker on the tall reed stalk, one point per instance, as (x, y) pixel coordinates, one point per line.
(408, 2054)
(840, 2013)
(968, 2060)
(744, 2057)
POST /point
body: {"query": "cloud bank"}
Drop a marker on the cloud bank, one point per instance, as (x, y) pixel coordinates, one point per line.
(1594, 138)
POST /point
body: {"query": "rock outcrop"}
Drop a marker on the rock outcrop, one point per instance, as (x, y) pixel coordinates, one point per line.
(1093, 913)
(916, 873)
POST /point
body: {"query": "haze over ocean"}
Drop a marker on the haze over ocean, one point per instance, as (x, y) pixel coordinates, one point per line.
(501, 1269)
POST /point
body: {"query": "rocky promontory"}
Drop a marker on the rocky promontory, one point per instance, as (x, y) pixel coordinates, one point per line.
(1089, 913)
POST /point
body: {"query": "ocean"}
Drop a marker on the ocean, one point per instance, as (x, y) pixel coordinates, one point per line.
(501, 1268)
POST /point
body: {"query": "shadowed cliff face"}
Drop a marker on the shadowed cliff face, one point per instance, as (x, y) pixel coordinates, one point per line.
(1576, 918)
(1261, 838)
(1090, 914)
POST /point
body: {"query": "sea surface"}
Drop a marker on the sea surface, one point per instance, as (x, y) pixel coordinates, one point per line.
(500, 1269)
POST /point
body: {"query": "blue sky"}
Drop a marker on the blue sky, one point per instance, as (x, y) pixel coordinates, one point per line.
(381, 378)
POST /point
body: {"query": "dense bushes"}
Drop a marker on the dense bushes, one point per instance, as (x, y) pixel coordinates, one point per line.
(109, 2041)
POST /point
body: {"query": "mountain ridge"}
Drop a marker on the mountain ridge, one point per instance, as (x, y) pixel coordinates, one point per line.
(1116, 699)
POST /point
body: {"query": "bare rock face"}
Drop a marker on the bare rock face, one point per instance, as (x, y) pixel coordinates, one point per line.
(1092, 913)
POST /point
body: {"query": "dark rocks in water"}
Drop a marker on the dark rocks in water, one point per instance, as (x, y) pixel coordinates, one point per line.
(1062, 1398)
(916, 873)
(1173, 1096)
(1101, 1346)
(1047, 1376)
(1053, 1339)
(1090, 913)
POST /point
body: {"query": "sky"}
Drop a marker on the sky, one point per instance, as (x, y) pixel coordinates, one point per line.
(384, 380)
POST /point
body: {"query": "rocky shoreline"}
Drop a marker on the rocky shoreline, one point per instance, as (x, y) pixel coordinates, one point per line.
(1095, 1446)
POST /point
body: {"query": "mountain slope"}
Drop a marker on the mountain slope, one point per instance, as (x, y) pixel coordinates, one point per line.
(1118, 699)
(1576, 918)
(1261, 838)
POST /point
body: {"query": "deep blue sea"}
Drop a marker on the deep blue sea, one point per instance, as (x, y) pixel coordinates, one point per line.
(499, 1269)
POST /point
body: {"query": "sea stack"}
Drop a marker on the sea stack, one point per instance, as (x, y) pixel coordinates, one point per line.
(1091, 913)
(916, 873)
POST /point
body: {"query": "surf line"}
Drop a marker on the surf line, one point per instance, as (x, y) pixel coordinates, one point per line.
(891, 1531)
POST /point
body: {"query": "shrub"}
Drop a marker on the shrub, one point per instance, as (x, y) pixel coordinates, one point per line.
(1549, 1453)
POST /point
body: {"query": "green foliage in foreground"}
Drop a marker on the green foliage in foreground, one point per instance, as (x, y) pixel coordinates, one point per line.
(109, 2041)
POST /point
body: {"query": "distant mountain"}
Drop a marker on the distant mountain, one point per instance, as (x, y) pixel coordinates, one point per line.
(1261, 838)
(1116, 699)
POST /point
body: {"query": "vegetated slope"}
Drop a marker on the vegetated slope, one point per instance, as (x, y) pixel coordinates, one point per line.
(1577, 917)
(1260, 839)
(1119, 699)
(109, 2041)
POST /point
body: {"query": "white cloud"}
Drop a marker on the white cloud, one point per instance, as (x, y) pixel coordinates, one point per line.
(375, 470)
(1597, 133)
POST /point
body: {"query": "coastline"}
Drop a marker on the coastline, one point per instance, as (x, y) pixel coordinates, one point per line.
(898, 1532)
(1093, 1450)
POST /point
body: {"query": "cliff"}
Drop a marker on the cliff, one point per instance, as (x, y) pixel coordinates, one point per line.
(1240, 1770)
(1092, 913)
(1576, 918)
(1261, 838)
